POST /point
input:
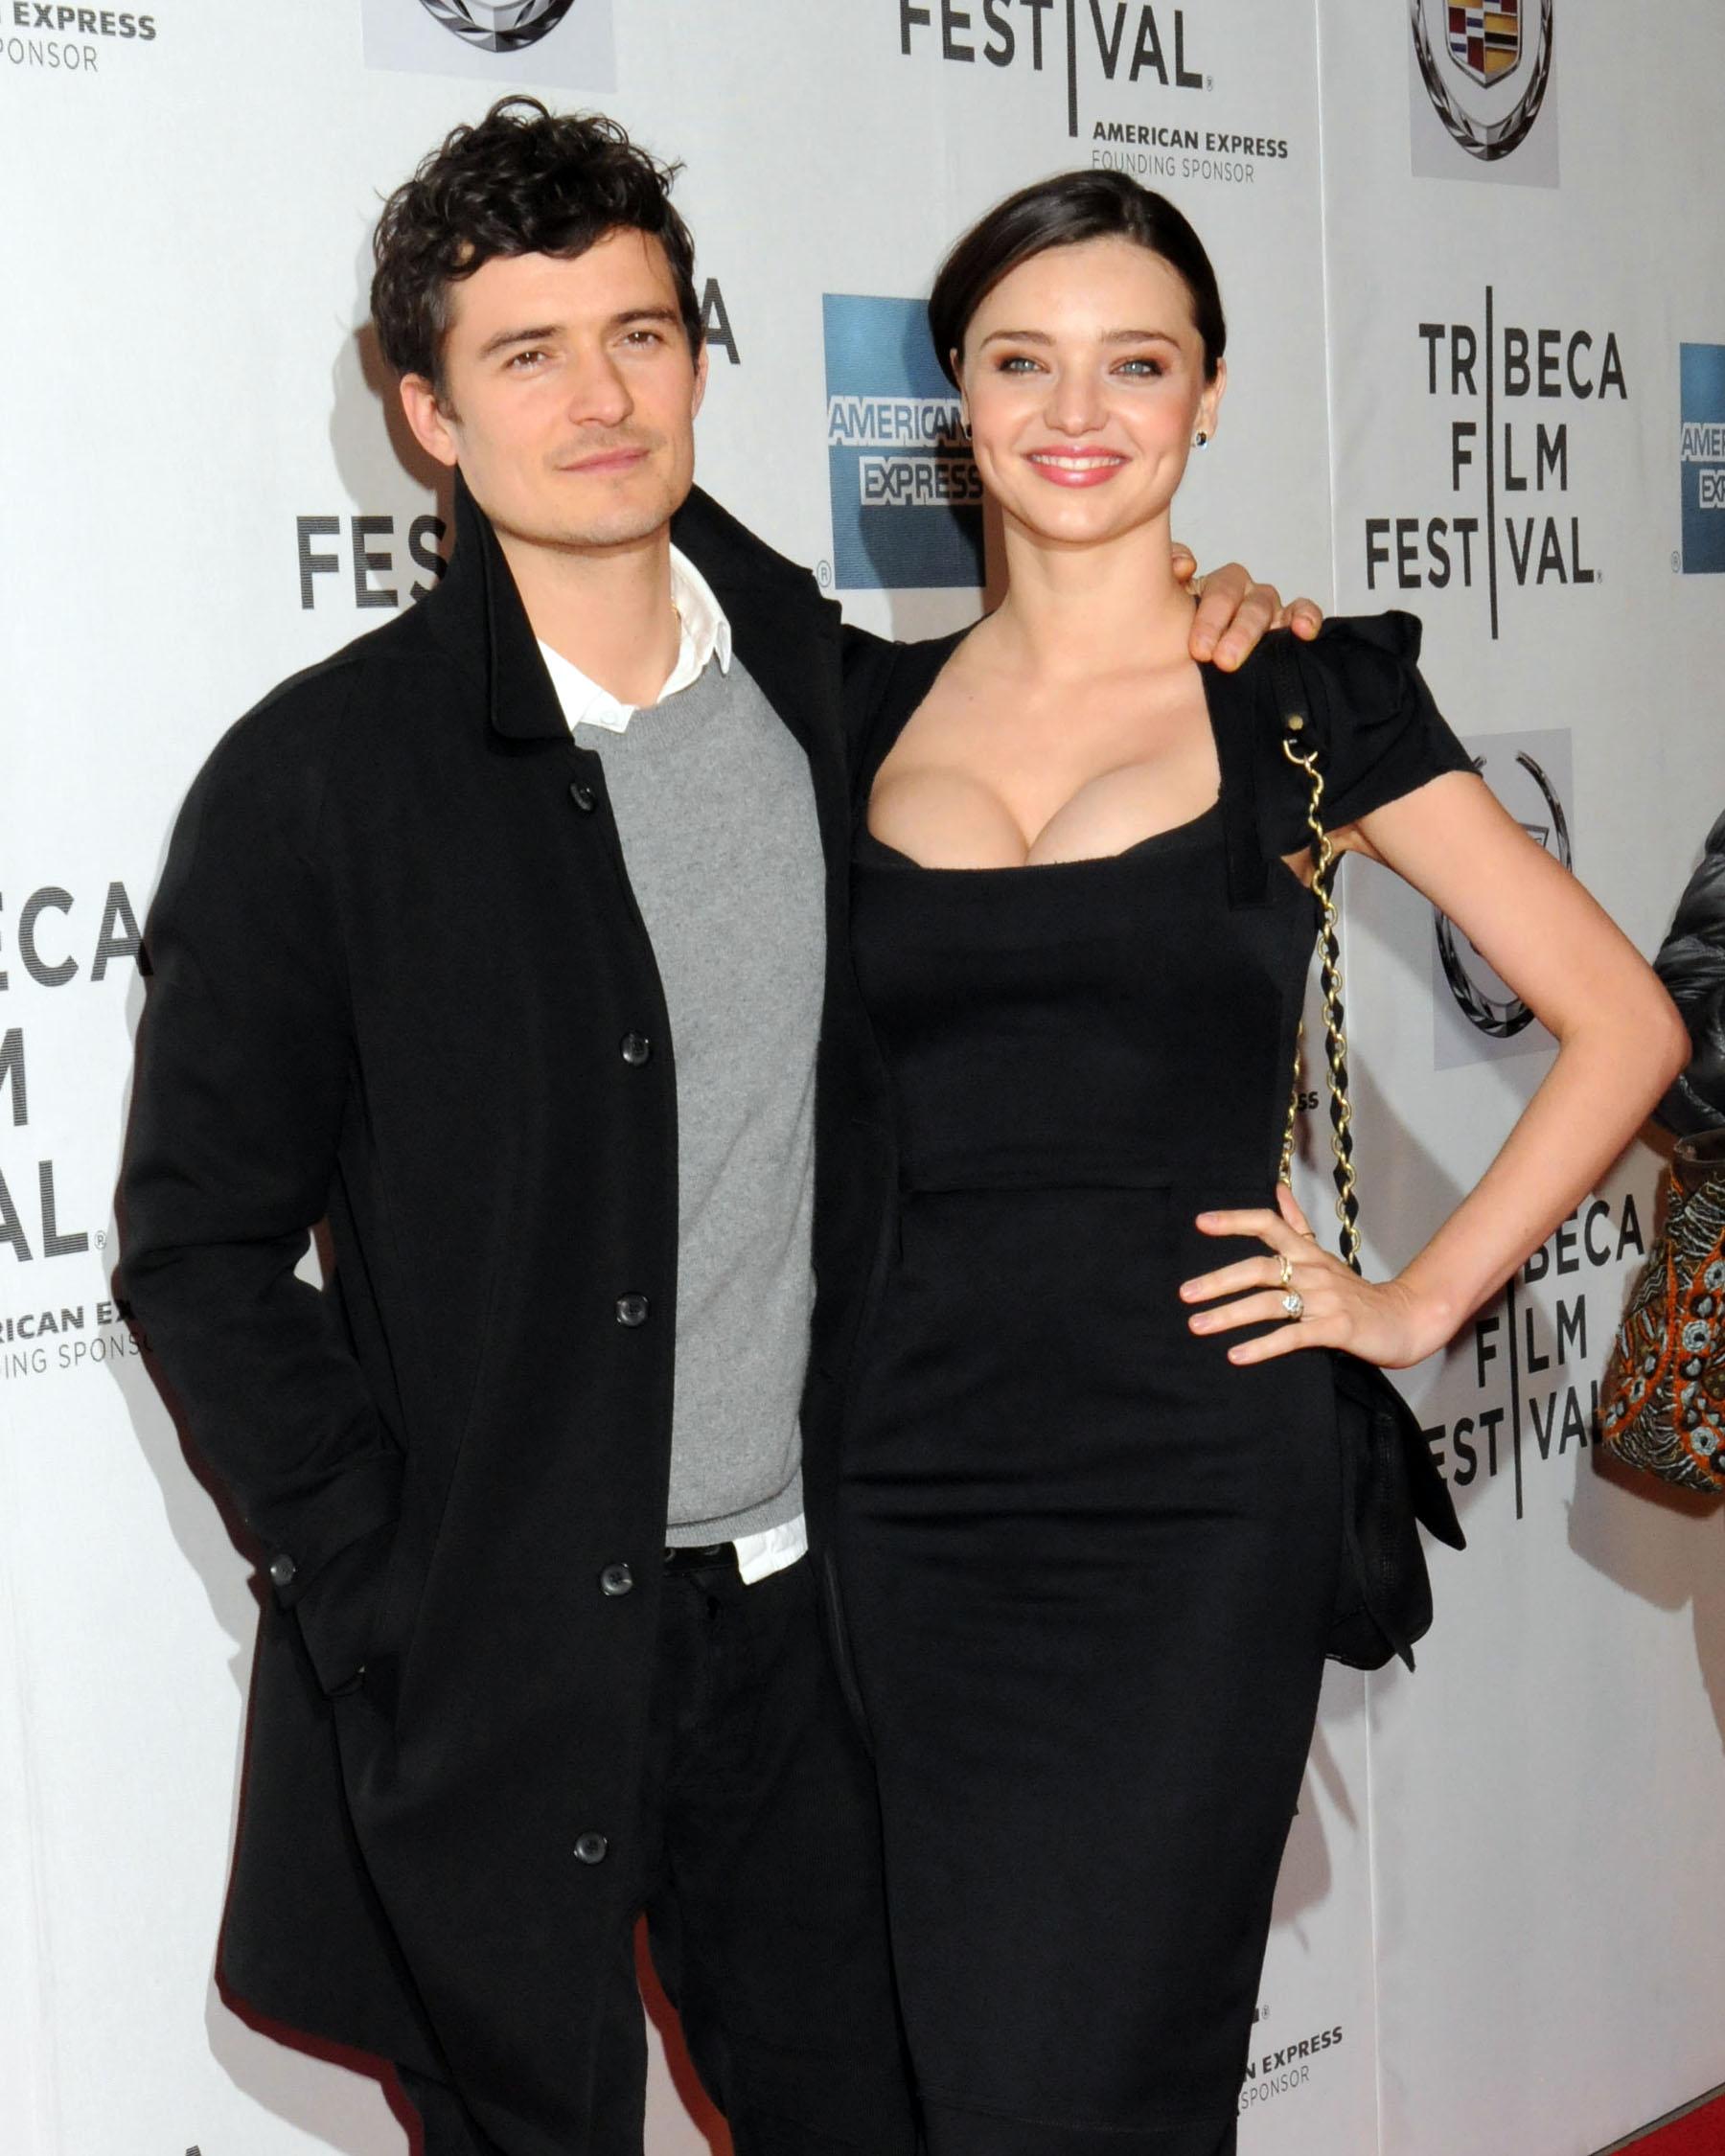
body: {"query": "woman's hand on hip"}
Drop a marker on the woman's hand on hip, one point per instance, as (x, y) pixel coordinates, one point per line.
(1310, 1296)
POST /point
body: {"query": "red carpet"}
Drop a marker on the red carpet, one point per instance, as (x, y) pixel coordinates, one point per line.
(1701, 2134)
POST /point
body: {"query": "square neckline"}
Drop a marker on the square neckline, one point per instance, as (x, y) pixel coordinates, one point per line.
(1188, 827)
(1192, 826)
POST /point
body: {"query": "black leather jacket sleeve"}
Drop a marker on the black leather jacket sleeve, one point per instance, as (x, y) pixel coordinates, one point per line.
(1691, 964)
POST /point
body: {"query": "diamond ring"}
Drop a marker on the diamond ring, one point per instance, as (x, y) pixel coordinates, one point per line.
(1293, 1303)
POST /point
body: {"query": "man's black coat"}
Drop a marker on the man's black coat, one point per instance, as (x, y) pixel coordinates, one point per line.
(395, 959)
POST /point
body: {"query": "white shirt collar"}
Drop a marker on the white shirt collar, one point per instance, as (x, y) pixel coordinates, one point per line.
(706, 635)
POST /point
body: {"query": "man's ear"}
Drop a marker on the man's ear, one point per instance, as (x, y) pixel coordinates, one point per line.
(428, 417)
(700, 379)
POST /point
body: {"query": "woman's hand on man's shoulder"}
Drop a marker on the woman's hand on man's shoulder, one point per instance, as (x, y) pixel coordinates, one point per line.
(1234, 610)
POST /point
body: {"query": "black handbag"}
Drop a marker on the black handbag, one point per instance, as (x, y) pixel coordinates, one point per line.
(1391, 1484)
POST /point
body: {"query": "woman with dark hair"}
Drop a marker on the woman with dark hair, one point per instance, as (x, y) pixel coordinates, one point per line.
(1092, 1514)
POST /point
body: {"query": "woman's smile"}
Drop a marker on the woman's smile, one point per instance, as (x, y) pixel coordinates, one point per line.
(1082, 467)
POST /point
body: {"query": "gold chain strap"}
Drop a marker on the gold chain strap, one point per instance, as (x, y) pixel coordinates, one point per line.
(1285, 1172)
(1329, 956)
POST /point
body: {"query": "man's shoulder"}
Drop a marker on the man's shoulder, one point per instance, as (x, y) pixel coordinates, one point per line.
(290, 736)
(389, 666)
(400, 650)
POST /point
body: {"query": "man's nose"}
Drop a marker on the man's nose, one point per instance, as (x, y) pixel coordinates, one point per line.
(599, 395)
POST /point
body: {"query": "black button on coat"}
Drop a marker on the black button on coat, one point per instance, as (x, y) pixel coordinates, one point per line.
(395, 951)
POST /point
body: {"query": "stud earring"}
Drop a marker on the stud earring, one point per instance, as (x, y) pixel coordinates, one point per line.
(1200, 438)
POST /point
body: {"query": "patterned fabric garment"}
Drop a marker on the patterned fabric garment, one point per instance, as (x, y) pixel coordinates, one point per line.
(1661, 1403)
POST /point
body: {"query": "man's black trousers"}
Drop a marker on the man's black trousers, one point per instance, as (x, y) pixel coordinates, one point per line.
(761, 1882)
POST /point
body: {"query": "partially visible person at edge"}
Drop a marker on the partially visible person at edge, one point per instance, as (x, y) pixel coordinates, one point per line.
(1691, 964)
(512, 938)
(1090, 1514)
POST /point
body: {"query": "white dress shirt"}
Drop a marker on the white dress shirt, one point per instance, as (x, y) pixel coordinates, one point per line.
(706, 635)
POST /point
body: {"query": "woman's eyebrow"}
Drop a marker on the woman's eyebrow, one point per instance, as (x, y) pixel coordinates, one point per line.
(1110, 336)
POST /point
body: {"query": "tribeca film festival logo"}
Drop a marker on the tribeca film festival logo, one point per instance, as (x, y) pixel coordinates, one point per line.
(498, 26)
(568, 44)
(69, 40)
(1521, 1385)
(1482, 81)
(1113, 45)
(1701, 453)
(906, 496)
(1511, 392)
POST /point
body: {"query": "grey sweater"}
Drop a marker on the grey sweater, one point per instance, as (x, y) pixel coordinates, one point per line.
(716, 815)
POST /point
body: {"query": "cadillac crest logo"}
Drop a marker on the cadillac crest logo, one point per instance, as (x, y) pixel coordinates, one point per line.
(498, 26)
(1485, 69)
(1485, 42)
(1500, 1017)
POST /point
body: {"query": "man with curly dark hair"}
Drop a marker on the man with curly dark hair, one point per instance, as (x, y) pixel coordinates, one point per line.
(522, 182)
(510, 940)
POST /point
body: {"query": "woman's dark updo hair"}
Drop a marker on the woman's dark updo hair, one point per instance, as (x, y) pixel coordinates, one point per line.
(1061, 213)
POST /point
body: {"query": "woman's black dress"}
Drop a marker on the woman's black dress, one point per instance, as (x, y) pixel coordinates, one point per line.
(1086, 1564)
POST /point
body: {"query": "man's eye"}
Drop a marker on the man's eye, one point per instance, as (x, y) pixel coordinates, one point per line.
(523, 361)
(644, 336)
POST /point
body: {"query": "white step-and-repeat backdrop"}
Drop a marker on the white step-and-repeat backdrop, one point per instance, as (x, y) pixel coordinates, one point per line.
(1476, 278)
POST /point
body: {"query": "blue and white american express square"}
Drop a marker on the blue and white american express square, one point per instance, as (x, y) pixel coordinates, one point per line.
(1702, 458)
(906, 497)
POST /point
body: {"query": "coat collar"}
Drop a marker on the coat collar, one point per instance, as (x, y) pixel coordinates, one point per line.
(779, 623)
(782, 629)
(477, 615)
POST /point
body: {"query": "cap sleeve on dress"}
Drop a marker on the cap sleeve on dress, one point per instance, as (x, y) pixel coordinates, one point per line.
(1380, 735)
